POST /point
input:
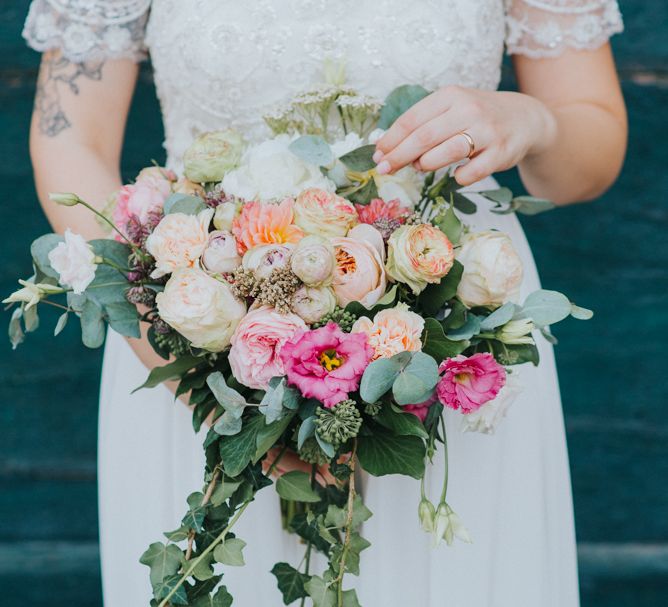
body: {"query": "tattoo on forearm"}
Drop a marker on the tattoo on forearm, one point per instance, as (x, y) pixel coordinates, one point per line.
(58, 75)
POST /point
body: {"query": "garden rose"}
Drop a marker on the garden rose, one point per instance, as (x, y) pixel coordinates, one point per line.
(144, 197)
(224, 216)
(391, 331)
(265, 223)
(212, 155)
(313, 261)
(360, 273)
(326, 363)
(323, 213)
(270, 171)
(220, 255)
(470, 382)
(178, 241)
(492, 269)
(263, 260)
(488, 417)
(418, 255)
(74, 260)
(311, 304)
(255, 356)
(201, 308)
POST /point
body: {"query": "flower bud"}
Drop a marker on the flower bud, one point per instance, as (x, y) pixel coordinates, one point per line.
(212, 155)
(31, 293)
(314, 261)
(220, 255)
(427, 514)
(224, 217)
(516, 332)
(311, 304)
(264, 259)
(448, 526)
(67, 199)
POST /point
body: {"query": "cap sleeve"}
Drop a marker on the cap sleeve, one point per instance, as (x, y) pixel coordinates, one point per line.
(546, 28)
(87, 30)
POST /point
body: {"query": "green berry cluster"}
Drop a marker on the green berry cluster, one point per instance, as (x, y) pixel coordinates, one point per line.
(341, 317)
(311, 453)
(338, 424)
(173, 343)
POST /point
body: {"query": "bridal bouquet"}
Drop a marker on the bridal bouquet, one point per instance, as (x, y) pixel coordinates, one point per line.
(306, 305)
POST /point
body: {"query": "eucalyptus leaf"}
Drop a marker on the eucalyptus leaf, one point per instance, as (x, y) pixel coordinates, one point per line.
(360, 159)
(183, 203)
(470, 328)
(380, 375)
(313, 149)
(16, 335)
(501, 195)
(416, 382)
(463, 203)
(30, 319)
(306, 430)
(437, 345)
(92, 325)
(545, 307)
(327, 448)
(60, 325)
(499, 317)
(296, 486)
(40, 250)
(228, 398)
(123, 318)
(363, 193)
(581, 313)
(398, 101)
(228, 424)
(529, 205)
(271, 405)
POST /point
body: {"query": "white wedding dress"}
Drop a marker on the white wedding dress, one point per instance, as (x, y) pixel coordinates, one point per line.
(221, 63)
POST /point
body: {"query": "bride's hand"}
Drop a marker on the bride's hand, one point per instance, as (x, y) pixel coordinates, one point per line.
(290, 461)
(504, 127)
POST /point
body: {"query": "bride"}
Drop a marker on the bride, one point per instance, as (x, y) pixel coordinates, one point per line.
(223, 63)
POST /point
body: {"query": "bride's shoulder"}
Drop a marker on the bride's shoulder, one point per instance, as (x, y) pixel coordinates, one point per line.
(544, 28)
(94, 29)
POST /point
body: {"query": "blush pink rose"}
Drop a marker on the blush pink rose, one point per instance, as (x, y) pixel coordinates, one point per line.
(139, 200)
(326, 363)
(257, 343)
(470, 382)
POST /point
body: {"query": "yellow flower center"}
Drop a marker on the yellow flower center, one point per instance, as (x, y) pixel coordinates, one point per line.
(330, 360)
(462, 378)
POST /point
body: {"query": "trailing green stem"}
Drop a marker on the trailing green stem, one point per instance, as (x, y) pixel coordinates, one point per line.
(349, 524)
(445, 459)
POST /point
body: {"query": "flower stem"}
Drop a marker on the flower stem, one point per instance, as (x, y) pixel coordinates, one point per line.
(205, 501)
(349, 524)
(108, 222)
(445, 460)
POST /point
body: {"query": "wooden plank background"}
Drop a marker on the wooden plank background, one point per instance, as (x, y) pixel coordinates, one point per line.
(611, 256)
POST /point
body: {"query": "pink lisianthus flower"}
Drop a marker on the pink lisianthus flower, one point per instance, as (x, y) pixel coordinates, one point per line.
(470, 382)
(380, 209)
(326, 363)
(421, 409)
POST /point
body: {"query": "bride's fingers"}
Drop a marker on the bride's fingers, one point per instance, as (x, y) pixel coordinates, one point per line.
(478, 168)
(422, 112)
(452, 150)
(421, 141)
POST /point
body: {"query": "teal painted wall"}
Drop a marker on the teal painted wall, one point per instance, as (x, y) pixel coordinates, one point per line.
(611, 255)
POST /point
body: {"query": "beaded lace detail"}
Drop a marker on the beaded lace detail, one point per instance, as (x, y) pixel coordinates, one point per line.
(225, 63)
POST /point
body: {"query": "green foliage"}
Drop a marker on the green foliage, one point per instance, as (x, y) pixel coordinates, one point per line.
(230, 552)
(237, 451)
(360, 159)
(398, 101)
(400, 422)
(296, 486)
(92, 324)
(322, 593)
(196, 512)
(40, 249)
(435, 296)
(290, 582)
(163, 560)
(499, 317)
(313, 149)
(173, 371)
(416, 381)
(383, 452)
(183, 203)
(436, 344)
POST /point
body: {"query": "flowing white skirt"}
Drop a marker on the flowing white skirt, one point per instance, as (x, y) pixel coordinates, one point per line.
(511, 489)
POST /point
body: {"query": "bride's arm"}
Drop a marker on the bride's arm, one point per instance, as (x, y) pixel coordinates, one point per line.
(566, 129)
(76, 137)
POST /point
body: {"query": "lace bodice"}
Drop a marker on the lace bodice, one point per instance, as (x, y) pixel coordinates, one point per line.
(225, 63)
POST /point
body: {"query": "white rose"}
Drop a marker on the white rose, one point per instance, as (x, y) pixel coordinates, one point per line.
(200, 308)
(492, 269)
(262, 260)
(404, 185)
(74, 260)
(220, 255)
(178, 241)
(270, 171)
(311, 304)
(487, 418)
(350, 142)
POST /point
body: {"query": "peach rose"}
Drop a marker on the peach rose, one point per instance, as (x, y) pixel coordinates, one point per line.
(392, 331)
(418, 255)
(359, 274)
(178, 241)
(265, 223)
(256, 345)
(324, 213)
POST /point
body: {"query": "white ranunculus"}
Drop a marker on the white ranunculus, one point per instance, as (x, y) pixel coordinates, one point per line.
(220, 255)
(270, 171)
(74, 260)
(224, 216)
(201, 308)
(350, 142)
(311, 304)
(178, 241)
(314, 261)
(264, 259)
(404, 185)
(487, 418)
(492, 269)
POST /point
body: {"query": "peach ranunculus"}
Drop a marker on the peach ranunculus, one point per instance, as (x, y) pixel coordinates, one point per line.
(360, 273)
(324, 213)
(391, 331)
(265, 223)
(178, 241)
(418, 255)
(257, 342)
